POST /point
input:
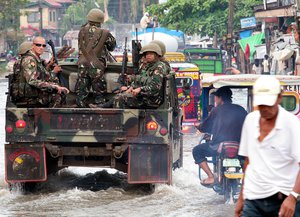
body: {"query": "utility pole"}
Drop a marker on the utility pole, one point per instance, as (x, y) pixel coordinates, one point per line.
(41, 18)
(229, 31)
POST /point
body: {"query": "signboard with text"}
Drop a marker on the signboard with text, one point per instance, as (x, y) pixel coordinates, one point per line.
(248, 22)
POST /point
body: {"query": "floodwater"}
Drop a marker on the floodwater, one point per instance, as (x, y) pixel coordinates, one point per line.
(98, 192)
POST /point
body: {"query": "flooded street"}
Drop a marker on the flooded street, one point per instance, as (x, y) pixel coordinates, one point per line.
(97, 192)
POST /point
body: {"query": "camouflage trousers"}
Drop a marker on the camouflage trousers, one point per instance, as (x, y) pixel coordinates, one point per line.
(90, 78)
(127, 100)
(51, 100)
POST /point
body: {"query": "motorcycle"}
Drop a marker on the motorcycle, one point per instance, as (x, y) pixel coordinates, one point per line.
(227, 169)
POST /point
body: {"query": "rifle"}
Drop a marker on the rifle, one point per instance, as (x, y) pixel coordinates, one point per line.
(122, 77)
(136, 48)
(62, 80)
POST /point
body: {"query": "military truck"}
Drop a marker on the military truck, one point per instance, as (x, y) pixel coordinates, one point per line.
(145, 143)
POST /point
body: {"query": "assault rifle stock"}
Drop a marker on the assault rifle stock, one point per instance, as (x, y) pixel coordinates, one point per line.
(61, 78)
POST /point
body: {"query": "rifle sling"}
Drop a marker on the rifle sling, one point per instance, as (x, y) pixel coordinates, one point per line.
(88, 52)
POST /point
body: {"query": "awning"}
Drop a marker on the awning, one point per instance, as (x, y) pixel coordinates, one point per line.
(280, 12)
(252, 41)
(245, 80)
(284, 54)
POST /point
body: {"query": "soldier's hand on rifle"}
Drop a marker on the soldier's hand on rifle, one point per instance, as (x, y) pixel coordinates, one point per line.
(57, 69)
(61, 89)
(123, 88)
(136, 91)
(129, 90)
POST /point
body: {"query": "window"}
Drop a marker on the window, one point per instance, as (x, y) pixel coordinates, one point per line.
(50, 16)
(289, 103)
(33, 17)
(184, 82)
(53, 16)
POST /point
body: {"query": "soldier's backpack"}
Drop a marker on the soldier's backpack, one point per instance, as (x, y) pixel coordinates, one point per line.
(14, 80)
(19, 90)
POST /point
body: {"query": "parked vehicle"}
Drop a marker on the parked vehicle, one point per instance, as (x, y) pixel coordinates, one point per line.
(188, 90)
(145, 143)
(227, 167)
(209, 60)
(175, 57)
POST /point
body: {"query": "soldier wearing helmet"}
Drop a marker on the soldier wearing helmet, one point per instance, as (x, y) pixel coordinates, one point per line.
(94, 44)
(146, 89)
(163, 51)
(24, 47)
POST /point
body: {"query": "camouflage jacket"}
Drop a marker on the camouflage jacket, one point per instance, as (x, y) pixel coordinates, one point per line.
(168, 68)
(109, 44)
(143, 65)
(150, 79)
(35, 73)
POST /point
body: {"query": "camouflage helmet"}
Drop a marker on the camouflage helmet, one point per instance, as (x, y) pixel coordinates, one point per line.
(24, 47)
(152, 47)
(95, 15)
(161, 45)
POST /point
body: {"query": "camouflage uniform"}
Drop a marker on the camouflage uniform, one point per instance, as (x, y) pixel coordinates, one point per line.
(162, 58)
(151, 82)
(91, 75)
(40, 82)
(168, 68)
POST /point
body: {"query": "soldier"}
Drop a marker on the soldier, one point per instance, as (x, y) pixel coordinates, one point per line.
(162, 58)
(14, 79)
(146, 90)
(42, 86)
(24, 48)
(94, 45)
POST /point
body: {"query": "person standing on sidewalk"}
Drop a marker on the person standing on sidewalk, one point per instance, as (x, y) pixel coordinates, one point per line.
(271, 144)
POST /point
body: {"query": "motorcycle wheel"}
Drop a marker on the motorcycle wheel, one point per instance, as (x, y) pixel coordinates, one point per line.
(236, 188)
(227, 190)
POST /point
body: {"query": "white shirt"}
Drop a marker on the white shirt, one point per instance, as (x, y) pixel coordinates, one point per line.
(266, 66)
(273, 163)
(144, 22)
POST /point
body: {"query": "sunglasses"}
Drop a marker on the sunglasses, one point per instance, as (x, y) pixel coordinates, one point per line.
(40, 45)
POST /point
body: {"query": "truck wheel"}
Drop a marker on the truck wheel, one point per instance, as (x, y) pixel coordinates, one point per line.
(22, 187)
(148, 188)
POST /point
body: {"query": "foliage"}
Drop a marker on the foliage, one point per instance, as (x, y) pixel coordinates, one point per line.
(200, 16)
(10, 22)
(10, 13)
(128, 11)
(76, 14)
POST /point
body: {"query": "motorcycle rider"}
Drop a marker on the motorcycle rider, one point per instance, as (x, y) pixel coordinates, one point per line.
(225, 123)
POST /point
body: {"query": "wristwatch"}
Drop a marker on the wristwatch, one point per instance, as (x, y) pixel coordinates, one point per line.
(295, 195)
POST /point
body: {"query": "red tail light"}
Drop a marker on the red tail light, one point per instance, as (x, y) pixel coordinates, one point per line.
(152, 125)
(231, 151)
(9, 129)
(20, 124)
(163, 131)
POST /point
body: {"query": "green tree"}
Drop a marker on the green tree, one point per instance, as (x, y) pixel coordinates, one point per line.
(76, 14)
(200, 16)
(10, 21)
